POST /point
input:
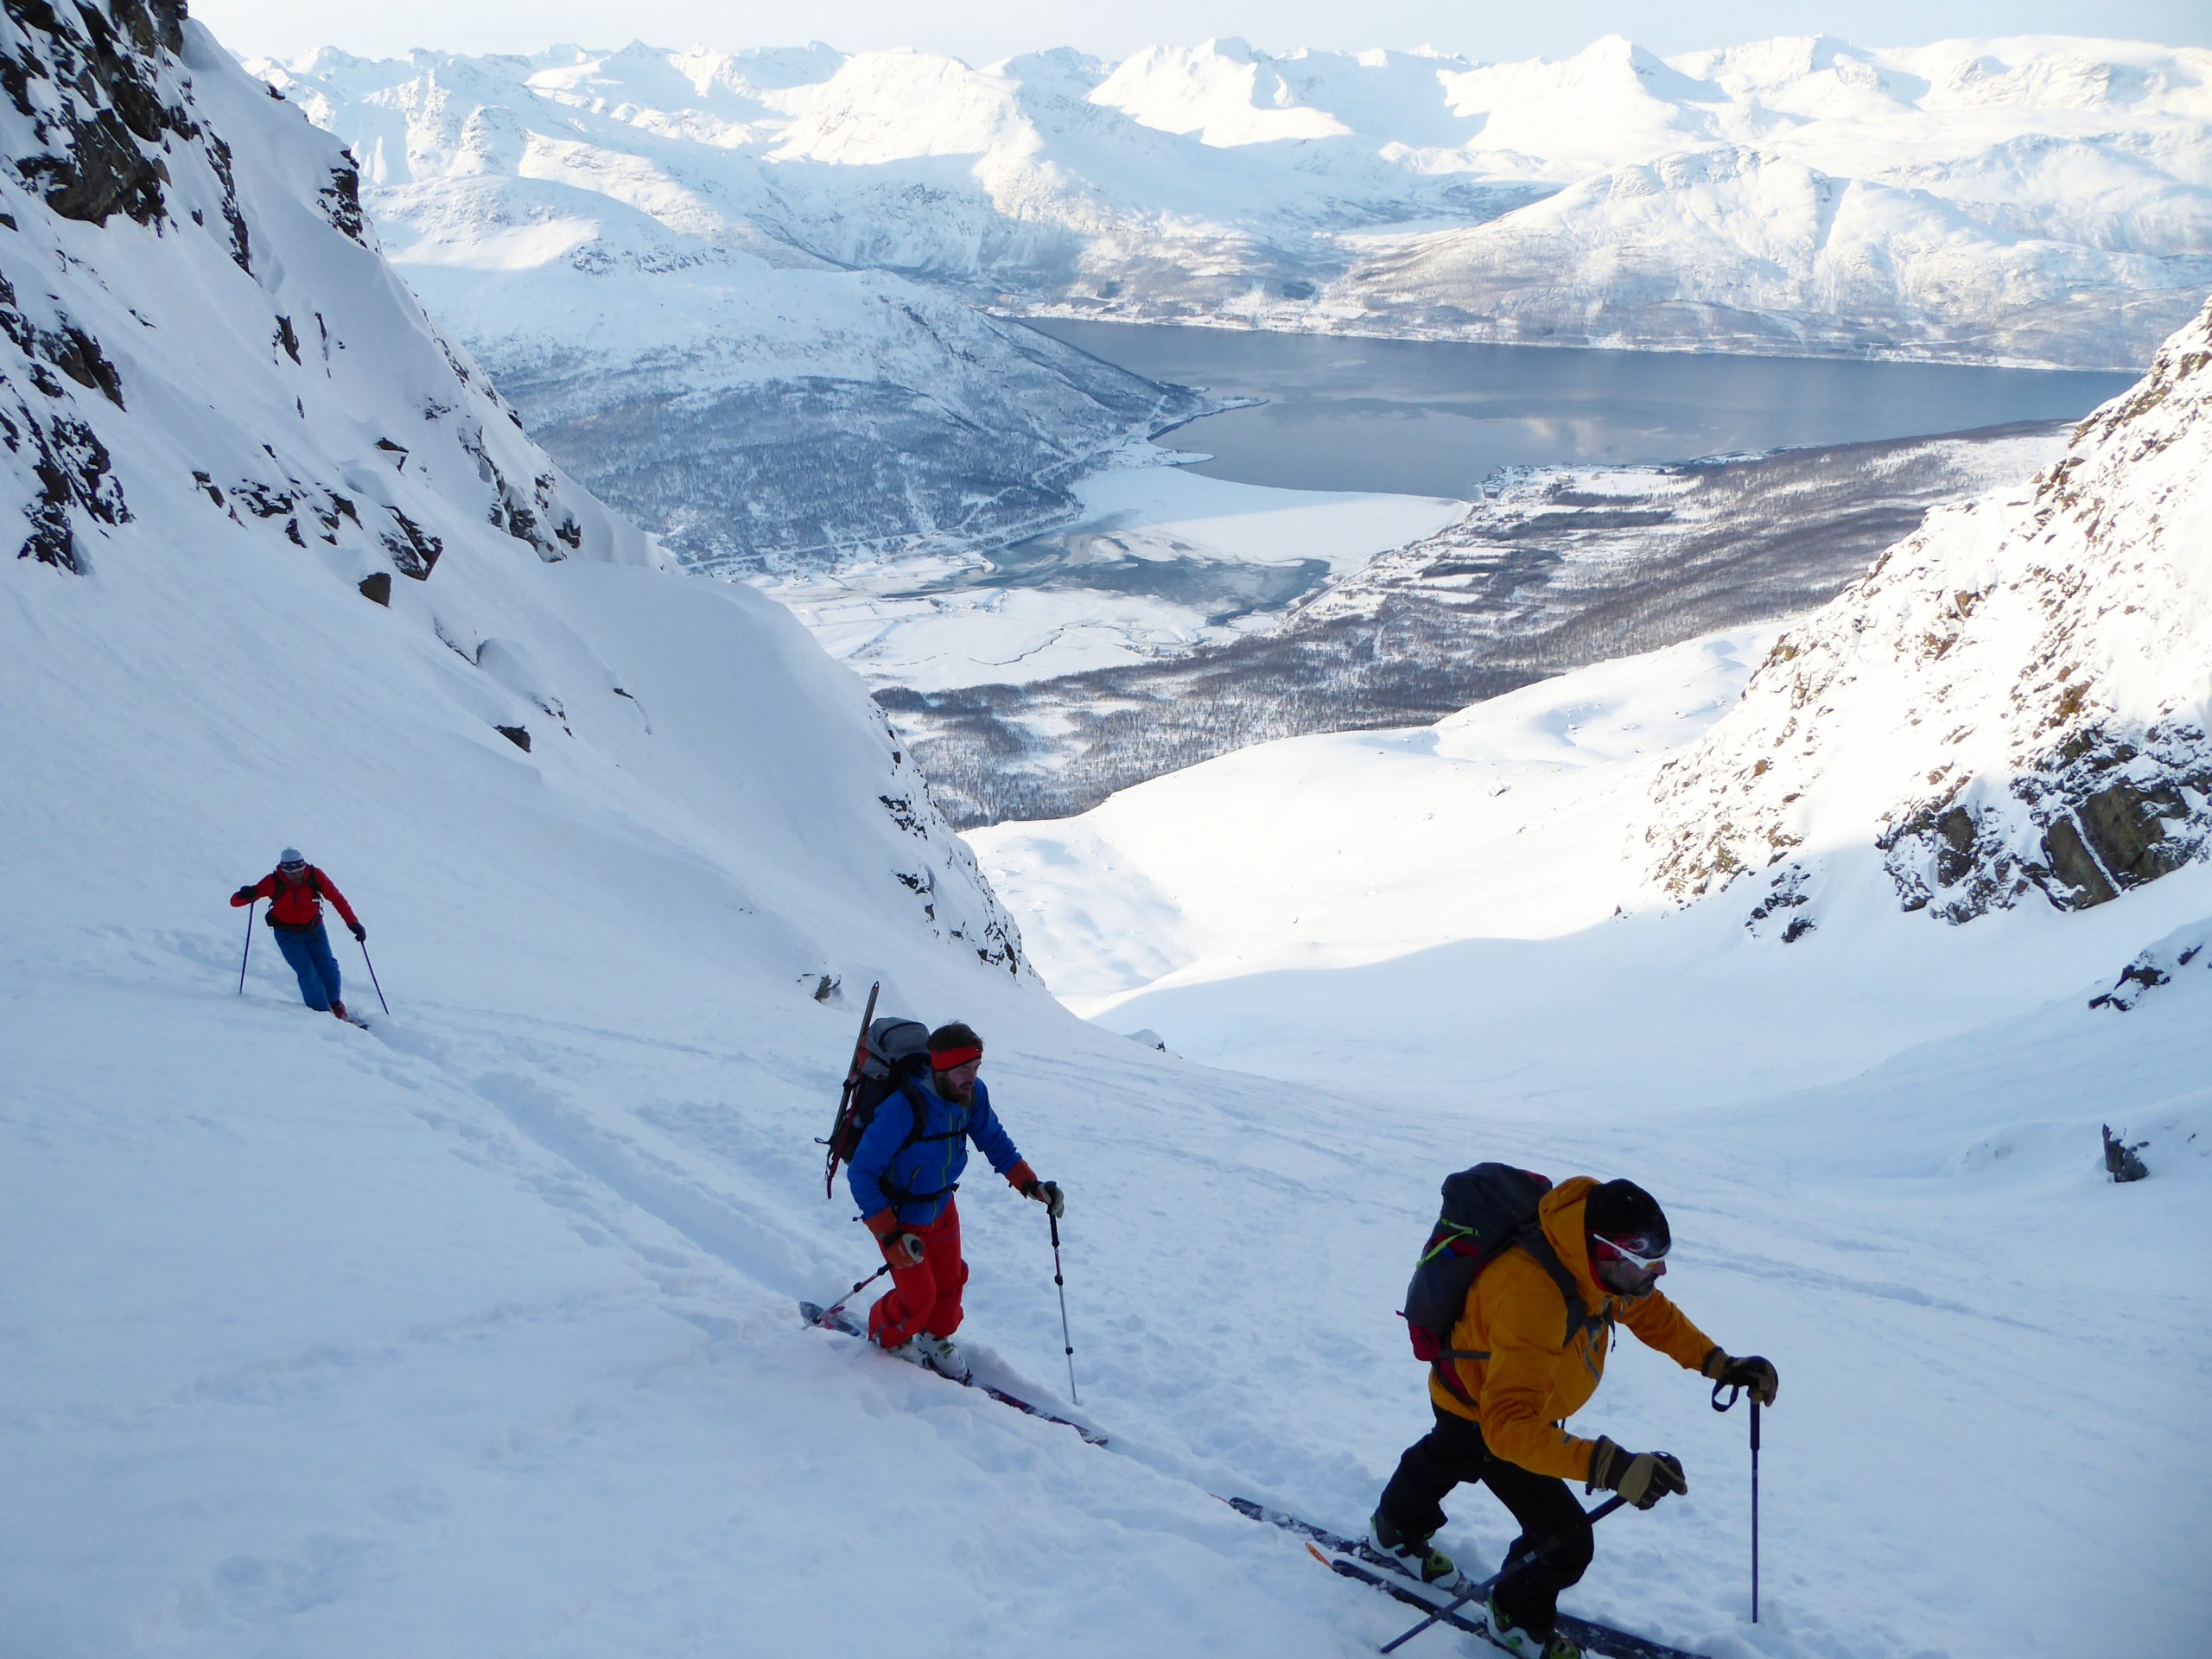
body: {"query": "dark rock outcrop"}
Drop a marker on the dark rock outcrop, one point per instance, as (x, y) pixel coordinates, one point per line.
(102, 115)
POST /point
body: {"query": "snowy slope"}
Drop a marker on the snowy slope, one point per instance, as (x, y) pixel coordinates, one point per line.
(2015, 698)
(472, 1333)
(247, 381)
(2036, 199)
(1465, 912)
(1888, 1132)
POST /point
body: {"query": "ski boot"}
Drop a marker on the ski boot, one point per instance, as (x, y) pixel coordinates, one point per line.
(941, 1355)
(1525, 1644)
(1416, 1556)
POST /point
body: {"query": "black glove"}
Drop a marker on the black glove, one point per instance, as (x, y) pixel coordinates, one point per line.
(244, 896)
(359, 932)
(1643, 1478)
(902, 1250)
(1751, 1373)
(1048, 1194)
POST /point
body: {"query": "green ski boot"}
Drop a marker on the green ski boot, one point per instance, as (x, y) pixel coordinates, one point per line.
(1416, 1556)
(1525, 1644)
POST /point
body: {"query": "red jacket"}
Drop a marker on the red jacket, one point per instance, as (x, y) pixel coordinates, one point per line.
(296, 903)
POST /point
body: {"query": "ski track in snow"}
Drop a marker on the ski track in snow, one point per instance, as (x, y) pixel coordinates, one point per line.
(598, 1442)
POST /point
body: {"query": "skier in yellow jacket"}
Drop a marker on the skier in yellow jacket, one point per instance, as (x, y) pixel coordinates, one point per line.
(1526, 1361)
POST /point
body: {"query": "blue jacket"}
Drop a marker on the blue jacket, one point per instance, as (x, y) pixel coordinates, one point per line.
(895, 1164)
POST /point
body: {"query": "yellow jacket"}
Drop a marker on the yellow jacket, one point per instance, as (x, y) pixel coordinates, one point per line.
(1530, 1376)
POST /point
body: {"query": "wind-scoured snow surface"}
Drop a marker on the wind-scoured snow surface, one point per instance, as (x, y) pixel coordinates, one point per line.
(472, 1333)
(2035, 200)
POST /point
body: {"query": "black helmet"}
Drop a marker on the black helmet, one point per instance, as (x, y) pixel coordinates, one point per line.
(1628, 1238)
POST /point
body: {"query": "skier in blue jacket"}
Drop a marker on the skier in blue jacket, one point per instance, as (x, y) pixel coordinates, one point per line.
(903, 1174)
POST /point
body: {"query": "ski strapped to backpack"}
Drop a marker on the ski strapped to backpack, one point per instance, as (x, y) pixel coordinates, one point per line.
(1488, 1209)
(891, 1053)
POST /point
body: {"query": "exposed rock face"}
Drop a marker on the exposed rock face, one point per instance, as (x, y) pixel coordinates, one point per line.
(91, 80)
(2015, 700)
(102, 125)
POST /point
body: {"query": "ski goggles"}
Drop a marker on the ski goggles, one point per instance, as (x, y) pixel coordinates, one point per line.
(1636, 1253)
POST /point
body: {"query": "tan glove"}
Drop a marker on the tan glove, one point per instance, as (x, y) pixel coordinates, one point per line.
(1643, 1478)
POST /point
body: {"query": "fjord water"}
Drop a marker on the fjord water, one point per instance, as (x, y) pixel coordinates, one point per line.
(1436, 417)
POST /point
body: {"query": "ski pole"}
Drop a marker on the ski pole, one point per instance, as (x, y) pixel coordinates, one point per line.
(1755, 1509)
(839, 1305)
(1066, 1341)
(248, 951)
(1718, 1404)
(1483, 1588)
(364, 943)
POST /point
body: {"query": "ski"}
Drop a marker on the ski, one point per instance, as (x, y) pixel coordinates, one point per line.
(1358, 1548)
(843, 1322)
(845, 1094)
(1358, 1560)
(1401, 1588)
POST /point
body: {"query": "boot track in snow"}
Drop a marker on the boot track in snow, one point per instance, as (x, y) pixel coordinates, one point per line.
(843, 1322)
(1358, 1560)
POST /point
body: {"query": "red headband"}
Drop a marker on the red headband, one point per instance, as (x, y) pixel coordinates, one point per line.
(947, 1059)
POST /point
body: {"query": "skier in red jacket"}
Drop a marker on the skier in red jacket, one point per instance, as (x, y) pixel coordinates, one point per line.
(295, 890)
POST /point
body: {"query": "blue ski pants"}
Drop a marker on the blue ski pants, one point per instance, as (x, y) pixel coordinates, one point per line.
(308, 949)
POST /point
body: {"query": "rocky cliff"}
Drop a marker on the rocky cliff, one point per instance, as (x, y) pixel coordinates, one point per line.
(2014, 701)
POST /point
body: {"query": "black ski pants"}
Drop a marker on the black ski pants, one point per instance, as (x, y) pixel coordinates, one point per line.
(1453, 1453)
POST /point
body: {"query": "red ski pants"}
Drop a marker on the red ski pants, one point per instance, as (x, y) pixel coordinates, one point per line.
(926, 1296)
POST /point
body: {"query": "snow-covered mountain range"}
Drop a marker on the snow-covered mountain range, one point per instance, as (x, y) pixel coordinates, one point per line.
(758, 397)
(2036, 199)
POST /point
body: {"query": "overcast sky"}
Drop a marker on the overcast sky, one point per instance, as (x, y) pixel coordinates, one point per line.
(984, 31)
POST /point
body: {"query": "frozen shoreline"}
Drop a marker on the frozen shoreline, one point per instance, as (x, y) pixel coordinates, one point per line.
(1159, 560)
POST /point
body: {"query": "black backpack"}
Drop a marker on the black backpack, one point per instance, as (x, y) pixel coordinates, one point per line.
(893, 1053)
(1488, 1209)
